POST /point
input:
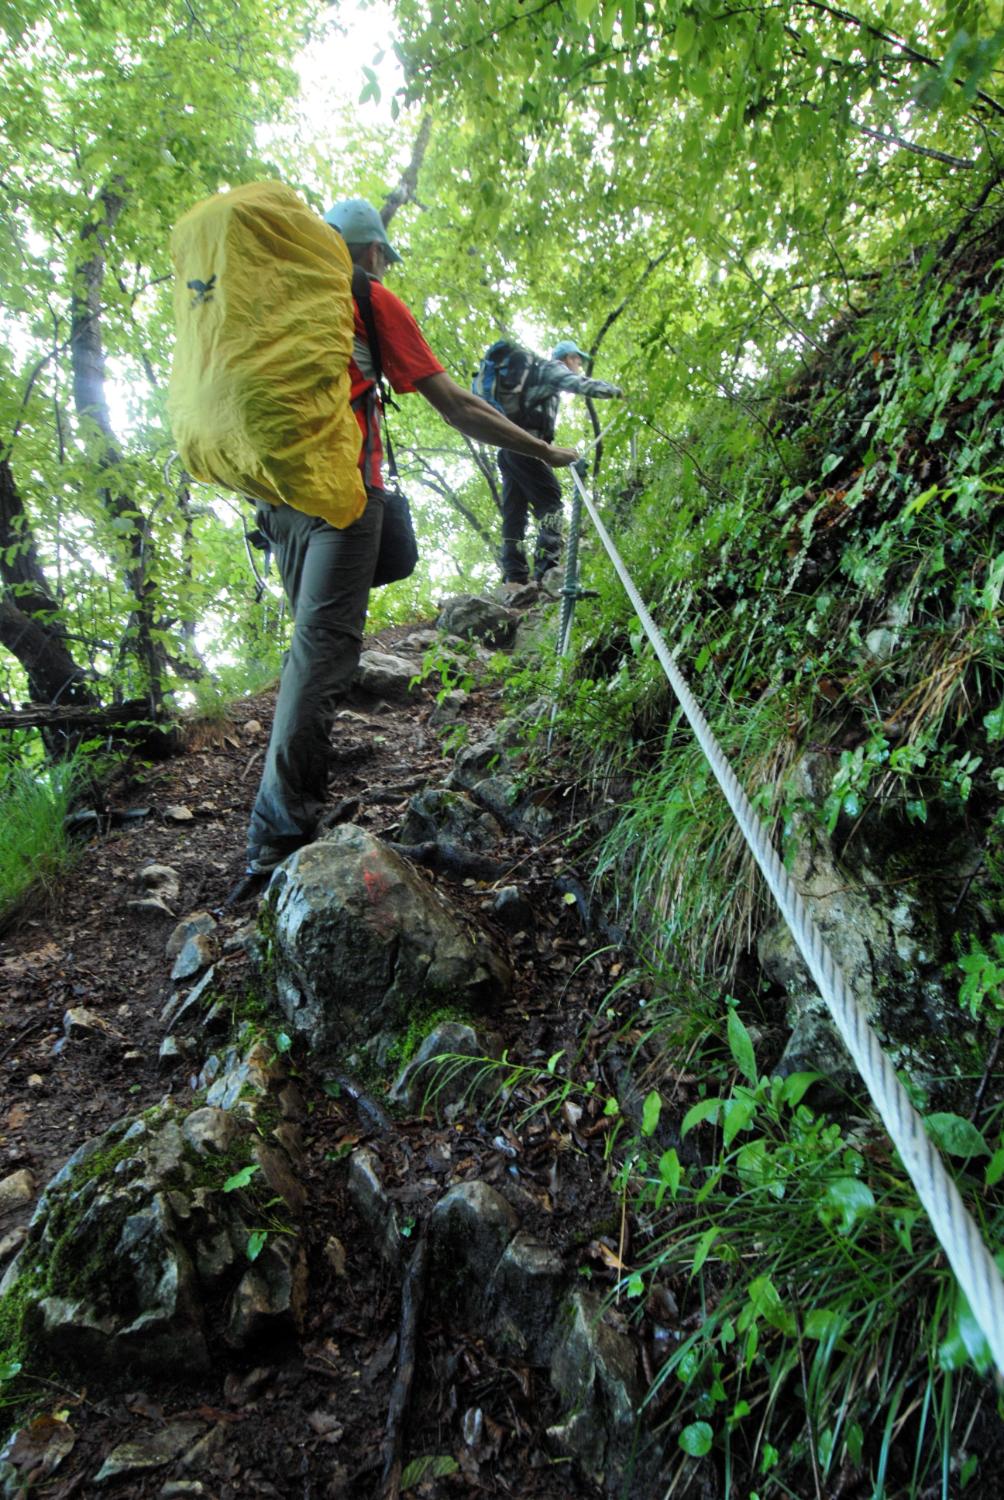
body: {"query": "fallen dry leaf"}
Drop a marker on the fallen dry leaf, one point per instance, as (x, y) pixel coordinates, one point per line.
(599, 1251)
(40, 1448)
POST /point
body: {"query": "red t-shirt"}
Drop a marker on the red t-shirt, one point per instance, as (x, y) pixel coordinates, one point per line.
(405, 357)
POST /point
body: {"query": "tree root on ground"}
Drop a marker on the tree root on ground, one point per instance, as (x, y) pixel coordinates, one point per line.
(412, 1297)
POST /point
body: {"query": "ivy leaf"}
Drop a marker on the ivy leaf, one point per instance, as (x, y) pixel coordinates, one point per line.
(956, 1135)
(846, 1201)
(993, 723)
(697, 1439)
(256, 1243)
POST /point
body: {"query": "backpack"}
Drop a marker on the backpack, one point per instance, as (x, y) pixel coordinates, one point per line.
(503, 378)
(259, 390)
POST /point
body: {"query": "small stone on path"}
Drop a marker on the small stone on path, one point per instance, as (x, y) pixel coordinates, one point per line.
(16, 1191)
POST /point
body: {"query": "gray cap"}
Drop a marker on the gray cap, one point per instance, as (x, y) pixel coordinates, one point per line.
(568, 346)
(358, 223)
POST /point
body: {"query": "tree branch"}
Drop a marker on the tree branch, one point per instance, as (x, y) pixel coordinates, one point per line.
(895, 41)
(440, 486)
(948, 245)
(408, 186)
(739, 260)
(487, 471)
(611, 319)
(929, 151)
(52, 673)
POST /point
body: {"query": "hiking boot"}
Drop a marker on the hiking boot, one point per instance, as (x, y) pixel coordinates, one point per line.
(257, 874)
(515, 568)
(547, 552)
(264, 860)
(248, 887)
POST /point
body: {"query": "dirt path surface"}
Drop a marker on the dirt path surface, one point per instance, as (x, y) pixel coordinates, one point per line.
(307, 1419)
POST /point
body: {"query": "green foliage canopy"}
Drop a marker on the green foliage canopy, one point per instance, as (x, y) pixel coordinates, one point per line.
(694, 192)
(729, 172)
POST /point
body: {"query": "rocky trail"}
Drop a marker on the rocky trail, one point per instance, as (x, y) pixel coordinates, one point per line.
(411, 1221)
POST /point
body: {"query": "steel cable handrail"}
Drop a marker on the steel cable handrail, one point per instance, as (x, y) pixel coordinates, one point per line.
(957, 1231)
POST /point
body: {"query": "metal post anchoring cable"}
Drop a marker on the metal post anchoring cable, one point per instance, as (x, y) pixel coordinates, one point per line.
(570, 592)
(957, 1231)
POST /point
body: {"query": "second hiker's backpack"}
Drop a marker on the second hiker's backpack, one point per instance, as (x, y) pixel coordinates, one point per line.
(259, 392)
(503, 378)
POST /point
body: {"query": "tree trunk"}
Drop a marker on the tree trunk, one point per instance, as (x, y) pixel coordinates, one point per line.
(195, 668)
(53, 675)
(30, 626)
(89, 375)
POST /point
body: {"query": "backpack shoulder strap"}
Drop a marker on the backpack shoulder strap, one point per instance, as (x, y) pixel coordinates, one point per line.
(364, 302)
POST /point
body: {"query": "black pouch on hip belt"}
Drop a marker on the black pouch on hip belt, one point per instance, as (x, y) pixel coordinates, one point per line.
(398, 553)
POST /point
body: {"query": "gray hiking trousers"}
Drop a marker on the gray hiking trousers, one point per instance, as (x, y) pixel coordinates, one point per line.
(528, 484)
(326, 575)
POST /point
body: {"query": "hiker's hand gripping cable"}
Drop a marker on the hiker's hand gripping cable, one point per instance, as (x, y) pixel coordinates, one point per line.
(476, 419)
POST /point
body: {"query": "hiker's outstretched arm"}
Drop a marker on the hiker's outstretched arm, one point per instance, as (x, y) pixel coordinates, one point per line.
(476, 419)
(582, 385)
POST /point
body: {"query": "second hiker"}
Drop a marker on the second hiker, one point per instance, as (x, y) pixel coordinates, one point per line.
(527, 389)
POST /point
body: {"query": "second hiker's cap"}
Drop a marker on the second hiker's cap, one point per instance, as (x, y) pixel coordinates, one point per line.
(358, 223)
(568, 346)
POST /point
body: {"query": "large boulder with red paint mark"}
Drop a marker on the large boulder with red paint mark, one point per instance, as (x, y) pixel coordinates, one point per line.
(357, 940)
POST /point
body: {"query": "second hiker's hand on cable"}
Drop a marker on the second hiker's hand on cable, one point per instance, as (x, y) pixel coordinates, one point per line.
(560, 458)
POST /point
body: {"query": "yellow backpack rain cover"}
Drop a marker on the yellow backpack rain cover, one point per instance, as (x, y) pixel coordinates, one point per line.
(259, 392)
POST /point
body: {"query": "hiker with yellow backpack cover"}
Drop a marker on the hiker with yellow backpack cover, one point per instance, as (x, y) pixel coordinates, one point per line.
(274, 394)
